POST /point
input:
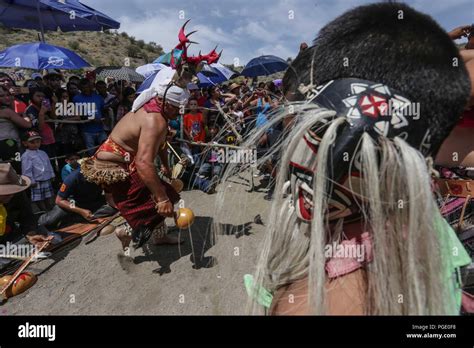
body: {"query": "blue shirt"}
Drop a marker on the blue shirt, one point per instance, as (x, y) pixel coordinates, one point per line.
(67, 169)
(176, 125)
(85, 193)
(91, 100)
(35, 165)
(262, 119)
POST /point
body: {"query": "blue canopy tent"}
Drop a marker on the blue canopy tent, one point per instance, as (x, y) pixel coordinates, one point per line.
(67, 15)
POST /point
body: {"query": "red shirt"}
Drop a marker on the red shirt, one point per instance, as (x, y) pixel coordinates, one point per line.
(46, 132)
(201, 101)
(194, 125)
(20, 107)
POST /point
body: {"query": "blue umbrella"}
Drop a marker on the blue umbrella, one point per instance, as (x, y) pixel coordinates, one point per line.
(147, 83)
(39, 55)
(208, 81)
(70, 15)
(264, 65)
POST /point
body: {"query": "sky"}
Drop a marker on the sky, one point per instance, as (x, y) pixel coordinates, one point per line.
(249, 28)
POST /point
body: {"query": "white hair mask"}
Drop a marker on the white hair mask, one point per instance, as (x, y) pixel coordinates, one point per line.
(161, 85)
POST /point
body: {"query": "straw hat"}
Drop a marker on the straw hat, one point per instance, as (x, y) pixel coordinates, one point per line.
(10, 181)
(233, 86)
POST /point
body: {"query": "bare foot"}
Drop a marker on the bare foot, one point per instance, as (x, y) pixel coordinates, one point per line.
(168, 239)
(125, 238)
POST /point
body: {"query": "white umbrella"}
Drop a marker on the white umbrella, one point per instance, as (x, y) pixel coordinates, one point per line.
(149, 69)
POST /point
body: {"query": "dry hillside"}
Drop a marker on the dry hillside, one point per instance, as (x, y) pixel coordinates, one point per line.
(98, 48)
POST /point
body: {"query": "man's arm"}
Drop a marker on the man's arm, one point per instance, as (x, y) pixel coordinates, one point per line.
(11, 115)
(152, 134)
(165, 168)
(68, 206)
(65, 193)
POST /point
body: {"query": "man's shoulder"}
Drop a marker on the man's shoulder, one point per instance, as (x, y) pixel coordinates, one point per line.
(97, 97)
(73, 177)
(149, 117)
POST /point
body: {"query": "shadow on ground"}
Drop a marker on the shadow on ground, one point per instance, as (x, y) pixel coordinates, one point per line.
(197, 241)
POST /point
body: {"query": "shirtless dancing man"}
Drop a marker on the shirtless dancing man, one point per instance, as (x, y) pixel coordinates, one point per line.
(124, 163)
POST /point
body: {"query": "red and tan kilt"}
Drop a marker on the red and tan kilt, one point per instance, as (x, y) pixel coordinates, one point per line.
(135, 203)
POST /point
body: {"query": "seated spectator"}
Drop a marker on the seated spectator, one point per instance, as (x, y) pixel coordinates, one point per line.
(10, 124)
(71, 165)
(35, 165)
(78, 201)
(16, 216)
(210, 168)
(39, 110)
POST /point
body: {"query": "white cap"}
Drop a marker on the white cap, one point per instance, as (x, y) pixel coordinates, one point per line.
(174, 95)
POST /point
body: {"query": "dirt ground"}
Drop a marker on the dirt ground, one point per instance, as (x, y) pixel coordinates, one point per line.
(90, 279)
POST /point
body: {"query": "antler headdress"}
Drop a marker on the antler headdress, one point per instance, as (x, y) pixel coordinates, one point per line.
(187, 67)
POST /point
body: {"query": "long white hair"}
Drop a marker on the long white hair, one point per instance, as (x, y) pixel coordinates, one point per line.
(398, 209)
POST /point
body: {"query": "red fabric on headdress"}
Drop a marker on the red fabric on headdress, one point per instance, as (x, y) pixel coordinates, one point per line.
(152, 106)
(467, 119)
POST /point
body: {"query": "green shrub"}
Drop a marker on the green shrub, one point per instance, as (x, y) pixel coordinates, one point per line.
(74, 45)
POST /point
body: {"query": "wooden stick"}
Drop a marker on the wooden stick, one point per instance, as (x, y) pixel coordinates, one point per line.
(94, 233)
(214, 145)
(173, 150)
(22, 268)
(229, 122)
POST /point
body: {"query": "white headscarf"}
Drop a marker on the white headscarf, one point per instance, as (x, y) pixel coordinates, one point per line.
(175, 95)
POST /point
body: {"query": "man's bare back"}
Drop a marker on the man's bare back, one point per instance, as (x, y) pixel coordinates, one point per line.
(128, 131)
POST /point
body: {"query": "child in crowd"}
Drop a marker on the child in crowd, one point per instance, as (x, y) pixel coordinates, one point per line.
(38, 111)
(194, 127)
(71, 165)
(35, 164)
(207, 177)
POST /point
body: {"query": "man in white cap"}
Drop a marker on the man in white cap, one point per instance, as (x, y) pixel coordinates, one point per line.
(124, 163)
